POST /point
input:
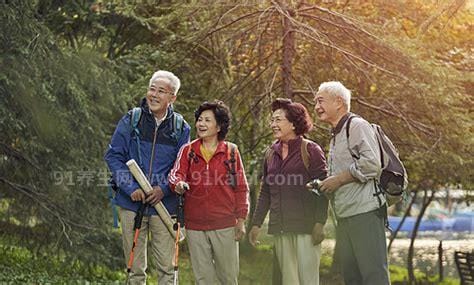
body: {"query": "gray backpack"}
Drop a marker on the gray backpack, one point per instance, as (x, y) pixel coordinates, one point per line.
(394, 179)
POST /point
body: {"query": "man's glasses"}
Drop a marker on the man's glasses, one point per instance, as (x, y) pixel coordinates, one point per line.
(159, 91)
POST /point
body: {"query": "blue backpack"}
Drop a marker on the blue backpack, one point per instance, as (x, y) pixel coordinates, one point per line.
(394, 179)
(135, 116)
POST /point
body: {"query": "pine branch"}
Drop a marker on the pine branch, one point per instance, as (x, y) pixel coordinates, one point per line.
(9, 150)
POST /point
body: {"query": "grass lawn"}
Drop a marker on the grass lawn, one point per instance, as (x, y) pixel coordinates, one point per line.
(18, 265)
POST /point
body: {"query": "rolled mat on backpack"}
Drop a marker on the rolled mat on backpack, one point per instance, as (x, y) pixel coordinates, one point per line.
(146, 187)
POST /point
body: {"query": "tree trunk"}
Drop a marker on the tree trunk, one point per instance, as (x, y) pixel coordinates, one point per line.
(254, 171)
(288, 53)
(426, 202)
(393, 236)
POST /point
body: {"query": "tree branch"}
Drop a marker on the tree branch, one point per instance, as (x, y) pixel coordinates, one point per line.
(345, 18)
(16, 154)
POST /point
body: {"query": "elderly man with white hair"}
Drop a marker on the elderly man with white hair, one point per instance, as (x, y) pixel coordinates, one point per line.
(352, 185)
(152, 134)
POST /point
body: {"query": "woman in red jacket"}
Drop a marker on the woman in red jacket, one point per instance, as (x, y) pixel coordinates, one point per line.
(297, 216)
(216, 204)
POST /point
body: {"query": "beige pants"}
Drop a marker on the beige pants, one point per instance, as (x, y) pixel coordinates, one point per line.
(161, 243)
(214, 256)
(298, 259)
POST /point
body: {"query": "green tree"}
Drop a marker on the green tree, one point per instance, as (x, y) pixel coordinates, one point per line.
(56, 106)
(70, 69)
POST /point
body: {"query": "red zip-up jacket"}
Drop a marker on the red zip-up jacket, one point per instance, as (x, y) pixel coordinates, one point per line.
(210, 203)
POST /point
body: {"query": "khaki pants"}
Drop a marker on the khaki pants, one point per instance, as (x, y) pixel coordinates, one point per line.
(298, 259)
(214, 256)
(162, 247)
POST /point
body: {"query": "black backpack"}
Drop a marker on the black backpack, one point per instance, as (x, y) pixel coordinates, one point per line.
(394, 179)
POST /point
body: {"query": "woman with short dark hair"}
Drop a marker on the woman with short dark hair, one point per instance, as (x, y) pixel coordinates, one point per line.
(216, 204)
(297, 216)
(221, 113)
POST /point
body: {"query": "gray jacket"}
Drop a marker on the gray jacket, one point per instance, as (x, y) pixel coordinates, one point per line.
(360, 196)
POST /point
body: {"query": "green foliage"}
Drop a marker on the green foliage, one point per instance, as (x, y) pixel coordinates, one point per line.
(56, 109)
(399, 275)
(20, 265)
(71, 69)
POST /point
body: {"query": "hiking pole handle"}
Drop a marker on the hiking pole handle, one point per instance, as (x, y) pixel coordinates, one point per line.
(185, 187)
(139, 217)
(147, 188)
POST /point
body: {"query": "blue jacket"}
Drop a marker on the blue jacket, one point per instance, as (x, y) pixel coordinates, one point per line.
(124, 147)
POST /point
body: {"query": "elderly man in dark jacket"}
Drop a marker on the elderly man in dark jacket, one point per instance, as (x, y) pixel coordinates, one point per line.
(154, 146)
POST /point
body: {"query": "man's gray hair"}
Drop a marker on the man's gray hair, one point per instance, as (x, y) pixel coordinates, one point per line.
(335, 88)
(175, 83)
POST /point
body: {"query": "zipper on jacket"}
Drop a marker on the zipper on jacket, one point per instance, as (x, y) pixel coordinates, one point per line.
(152, 153)
(281, 194)
(281, 213)
(207, 187)
(152, 157)
(206, 191)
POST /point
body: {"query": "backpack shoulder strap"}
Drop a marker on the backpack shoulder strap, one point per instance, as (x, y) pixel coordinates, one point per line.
(178, 125)
(230, 163)
(190, 154)
(135, 116)
(231, 148)
(348, 126)
(305, 153)
(378, 135)
(135, 119)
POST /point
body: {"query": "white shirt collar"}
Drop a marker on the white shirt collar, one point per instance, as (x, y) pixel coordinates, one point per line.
(159, 121)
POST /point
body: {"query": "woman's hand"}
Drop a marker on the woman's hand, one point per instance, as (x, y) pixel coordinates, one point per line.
(181, 187)
(253, 235)
(318, 234)
(239, 229)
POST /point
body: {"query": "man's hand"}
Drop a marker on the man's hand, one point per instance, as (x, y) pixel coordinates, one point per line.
(138, 195)
(181, 187)
(253, 235)
(317, 235)
(239, 229)
(332, 183)
(155, 196)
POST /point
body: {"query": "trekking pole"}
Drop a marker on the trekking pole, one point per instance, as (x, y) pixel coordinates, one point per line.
(136, 226)
(177, 227)
(176, 254)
